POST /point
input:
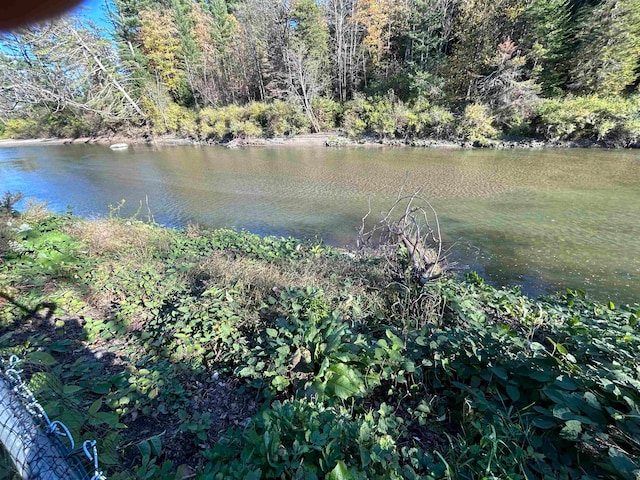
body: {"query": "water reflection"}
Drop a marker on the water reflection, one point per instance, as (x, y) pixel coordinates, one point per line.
(544, 219)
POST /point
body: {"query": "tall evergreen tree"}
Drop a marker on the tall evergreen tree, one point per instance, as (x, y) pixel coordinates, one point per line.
(550, 41)
(609, 50)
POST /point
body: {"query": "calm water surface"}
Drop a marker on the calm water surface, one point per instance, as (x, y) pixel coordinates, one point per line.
(545, 220)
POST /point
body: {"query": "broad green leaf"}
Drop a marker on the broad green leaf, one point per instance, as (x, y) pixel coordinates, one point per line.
(544, 423)
(272, 332)
(101, 388)
(42, 358)
(340, 472)
(513, 392)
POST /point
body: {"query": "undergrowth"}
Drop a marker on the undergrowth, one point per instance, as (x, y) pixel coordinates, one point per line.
(199, 354)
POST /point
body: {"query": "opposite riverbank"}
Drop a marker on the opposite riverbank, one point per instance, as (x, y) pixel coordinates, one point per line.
(223, 354)
(589, 121)
(328, 139)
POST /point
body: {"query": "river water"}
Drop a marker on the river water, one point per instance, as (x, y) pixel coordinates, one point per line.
(545, 220)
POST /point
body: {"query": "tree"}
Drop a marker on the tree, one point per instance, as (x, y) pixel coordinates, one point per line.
(480, 26)
(428, 34)
(549, 39)
(510, 96)
(264, 30)
(346, 36)
(162, 47)
(609, 48)
(306, 55)
(64, 66)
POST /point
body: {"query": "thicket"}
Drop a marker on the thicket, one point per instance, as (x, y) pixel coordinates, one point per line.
(249, 357)
(612, 121)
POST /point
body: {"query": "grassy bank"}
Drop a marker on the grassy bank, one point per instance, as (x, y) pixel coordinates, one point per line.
(222, 354)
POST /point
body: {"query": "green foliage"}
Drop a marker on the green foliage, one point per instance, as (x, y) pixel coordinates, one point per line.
(476, 125)
(283, 118)
(427, 120)
(383, 117)
(551, 41)
(609, 119)
(327, 112)
(254, 120)
(66, 124)
(606, 62)
(180, 120)
(305, 439)
(474, 382)
(21, 128)
(355, 114)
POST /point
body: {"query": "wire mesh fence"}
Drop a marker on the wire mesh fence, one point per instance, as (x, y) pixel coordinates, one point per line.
(39, 449)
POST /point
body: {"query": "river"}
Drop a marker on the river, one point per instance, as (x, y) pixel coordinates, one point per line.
(545, 220)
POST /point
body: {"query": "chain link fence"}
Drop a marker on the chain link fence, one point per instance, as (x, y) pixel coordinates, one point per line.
(39, 449)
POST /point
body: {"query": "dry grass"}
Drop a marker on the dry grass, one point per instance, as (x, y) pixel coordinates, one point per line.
(256, 280)
(122, 237)
(35, 212)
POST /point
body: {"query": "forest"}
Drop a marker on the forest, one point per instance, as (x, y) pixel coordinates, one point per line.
(471, 70)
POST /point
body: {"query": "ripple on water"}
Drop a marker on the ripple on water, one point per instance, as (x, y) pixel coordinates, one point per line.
(543, 219)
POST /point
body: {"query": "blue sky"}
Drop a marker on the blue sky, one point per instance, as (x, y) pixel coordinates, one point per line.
(96, 11)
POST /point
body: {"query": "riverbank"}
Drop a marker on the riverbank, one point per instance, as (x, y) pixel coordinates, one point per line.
(232, 355)
(324, 139)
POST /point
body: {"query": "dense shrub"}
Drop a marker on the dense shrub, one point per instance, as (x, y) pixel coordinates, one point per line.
(327, 111)
(384, 117)
(22, 128)
(427, 120)
(614, 119)
(211, 124)
(476, 125)
(355, 113)
(285, 118)
(468, 381)
(332, 444)
(231, 121)
(180, 120)
(66, 124)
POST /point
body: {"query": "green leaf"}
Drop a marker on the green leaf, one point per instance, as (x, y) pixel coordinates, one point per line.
(592, 400)
(513, 392)
(571, 430)
(71, 389)
(566, 383)
(544, 423)
(344, 381)
(623, 464)
(499, 372)
(272, 332)
(340, 472)
(280, 383)
(42, 358)
(539, 376)
(101, 388)
(95, 407)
